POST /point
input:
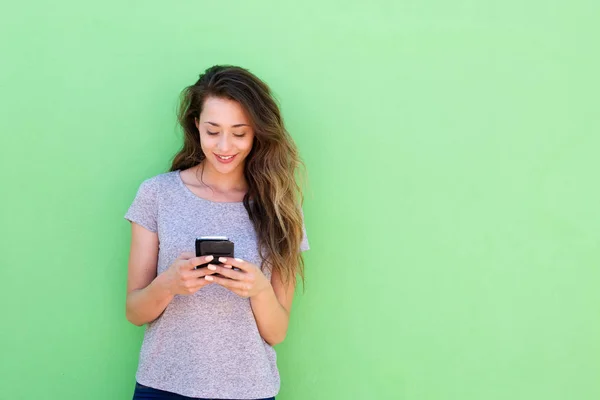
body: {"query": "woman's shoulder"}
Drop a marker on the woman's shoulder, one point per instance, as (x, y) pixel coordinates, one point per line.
(162, 178)
(159, 182)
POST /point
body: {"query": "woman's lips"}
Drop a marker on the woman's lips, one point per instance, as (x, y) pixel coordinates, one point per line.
(225, 159)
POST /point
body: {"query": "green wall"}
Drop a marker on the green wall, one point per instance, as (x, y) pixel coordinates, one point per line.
(453, 206)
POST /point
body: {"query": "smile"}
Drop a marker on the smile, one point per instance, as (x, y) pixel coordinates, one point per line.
(225, 159)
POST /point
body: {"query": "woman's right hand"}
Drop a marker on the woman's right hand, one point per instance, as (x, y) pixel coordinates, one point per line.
(182, 278)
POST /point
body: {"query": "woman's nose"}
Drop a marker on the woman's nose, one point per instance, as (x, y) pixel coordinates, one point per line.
(224, 143)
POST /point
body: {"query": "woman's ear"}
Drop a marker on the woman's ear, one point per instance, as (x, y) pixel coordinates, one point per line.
(197, 124)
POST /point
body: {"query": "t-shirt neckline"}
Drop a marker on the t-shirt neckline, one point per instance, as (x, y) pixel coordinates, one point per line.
(187, 190)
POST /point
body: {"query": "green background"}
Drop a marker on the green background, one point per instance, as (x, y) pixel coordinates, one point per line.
(452, 208)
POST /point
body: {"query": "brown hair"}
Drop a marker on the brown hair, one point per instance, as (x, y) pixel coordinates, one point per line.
(274, 196)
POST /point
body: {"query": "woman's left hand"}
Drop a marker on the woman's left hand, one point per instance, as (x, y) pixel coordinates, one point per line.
(248, 282)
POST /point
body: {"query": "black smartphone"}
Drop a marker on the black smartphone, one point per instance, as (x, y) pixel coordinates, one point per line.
(216, 246)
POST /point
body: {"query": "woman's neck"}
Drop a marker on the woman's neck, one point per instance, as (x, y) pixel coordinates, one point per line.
(223, 183)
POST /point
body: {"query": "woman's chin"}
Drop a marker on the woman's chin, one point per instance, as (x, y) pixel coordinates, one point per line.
(224, 168)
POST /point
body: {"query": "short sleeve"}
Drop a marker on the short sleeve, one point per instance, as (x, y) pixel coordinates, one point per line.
(143, 210)
(304, 243)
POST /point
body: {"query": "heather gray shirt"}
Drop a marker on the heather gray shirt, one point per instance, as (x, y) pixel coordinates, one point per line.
(207, 344)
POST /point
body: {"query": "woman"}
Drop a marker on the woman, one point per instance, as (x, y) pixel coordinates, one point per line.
(211, 336)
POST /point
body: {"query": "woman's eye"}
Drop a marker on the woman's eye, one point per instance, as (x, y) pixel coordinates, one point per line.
(212, 133)
(240, 135)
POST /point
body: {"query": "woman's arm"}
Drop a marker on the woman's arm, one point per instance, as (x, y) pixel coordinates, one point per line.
(271, 302)
(272, 308)
(147, 294)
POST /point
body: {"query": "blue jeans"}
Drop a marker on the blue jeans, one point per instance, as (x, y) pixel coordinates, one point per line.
(147, 393)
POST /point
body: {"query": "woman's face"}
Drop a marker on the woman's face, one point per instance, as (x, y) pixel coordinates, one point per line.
(226, 135)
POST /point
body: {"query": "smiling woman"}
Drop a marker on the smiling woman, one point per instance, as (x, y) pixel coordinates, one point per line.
(225, 142)
(211, 330)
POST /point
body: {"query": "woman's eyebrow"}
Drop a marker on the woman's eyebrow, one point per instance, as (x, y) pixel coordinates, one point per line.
(233, 126)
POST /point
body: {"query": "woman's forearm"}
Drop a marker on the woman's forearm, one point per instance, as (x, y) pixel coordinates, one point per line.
(271, 317)
(147, 304)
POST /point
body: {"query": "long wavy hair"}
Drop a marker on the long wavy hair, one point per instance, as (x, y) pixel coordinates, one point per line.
(273, 168)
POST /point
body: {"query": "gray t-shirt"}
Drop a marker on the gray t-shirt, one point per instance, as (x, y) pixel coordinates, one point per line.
(207, 344)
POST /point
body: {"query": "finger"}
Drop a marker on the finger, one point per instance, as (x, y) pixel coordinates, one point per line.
(191, 276)
(201, 272)
(228, 272)
(197, 261)
(230, 267)
(228, 283)
(237, 262)
(199, 285)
